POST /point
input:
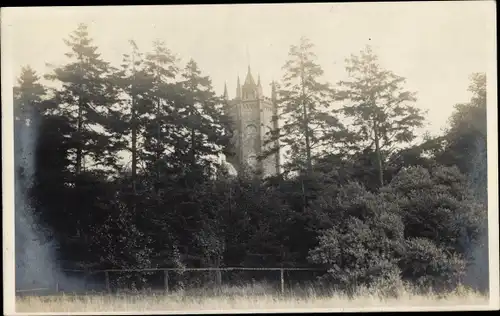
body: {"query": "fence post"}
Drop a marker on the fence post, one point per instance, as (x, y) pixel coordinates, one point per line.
(166, 280)
(86, 276)
(282, 281)
(106, 273)
(219, 278)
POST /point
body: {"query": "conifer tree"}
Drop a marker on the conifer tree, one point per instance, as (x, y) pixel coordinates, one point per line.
(202, 117)
(466, 135)
(129, 82)
(382, 111)
(161, 69)
(28, 96)
(156, 98)
(135, 86)
(86, 98)
(303, 101)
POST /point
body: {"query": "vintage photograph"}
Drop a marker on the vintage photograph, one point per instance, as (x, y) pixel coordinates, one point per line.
(250, 157)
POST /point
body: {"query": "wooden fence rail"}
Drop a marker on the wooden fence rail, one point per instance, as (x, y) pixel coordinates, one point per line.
(167, 270)
(196, 269)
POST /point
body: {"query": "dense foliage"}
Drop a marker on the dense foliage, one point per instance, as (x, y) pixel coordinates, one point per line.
(127, 171)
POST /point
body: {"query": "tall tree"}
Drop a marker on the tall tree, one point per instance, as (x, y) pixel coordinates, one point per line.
(202, 117)
(160, 67)
(87, 97)
(85, 101)
(131, 84)
(466, 135)
(381, 109)
(28, 95)
(465, 145)
(156, 115)
(135, 85)
(302, 100)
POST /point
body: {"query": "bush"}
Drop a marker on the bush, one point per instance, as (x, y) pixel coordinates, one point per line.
(442, 223)
(420, 228)
(388, 285)
(439, 206)
(365, 241)
(429, 266)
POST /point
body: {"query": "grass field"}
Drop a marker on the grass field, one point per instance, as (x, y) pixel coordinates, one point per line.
(238, 298)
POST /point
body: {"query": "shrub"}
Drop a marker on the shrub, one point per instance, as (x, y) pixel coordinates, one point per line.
(439, 206)
(388, 285)
(442, 223)
(420, 228)
(429, 266)
(364, 243)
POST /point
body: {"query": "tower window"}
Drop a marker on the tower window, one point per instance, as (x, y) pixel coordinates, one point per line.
(251, 130)
(252, 160)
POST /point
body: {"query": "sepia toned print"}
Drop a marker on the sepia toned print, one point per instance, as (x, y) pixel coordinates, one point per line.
(236, 158)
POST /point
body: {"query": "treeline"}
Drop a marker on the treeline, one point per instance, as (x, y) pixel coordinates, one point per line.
(126, 171)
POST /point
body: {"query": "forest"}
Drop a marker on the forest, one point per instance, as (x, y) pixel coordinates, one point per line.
(127, 171)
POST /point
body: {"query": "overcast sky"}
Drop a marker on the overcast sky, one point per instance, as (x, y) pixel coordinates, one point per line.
(435, 45)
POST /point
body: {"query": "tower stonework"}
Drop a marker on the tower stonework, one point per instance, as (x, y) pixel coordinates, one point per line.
(253, 116)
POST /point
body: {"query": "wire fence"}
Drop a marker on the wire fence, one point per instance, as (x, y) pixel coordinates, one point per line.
(168, 280)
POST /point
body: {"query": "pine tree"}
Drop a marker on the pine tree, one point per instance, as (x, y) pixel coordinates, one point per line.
(87, 97)
(201, 115)
(382, 110)
(303, 102)
(87, 113)
(27, 101)
(28, 96)
(156, 96)
(161, 69)
(134, 85)
(466, 135)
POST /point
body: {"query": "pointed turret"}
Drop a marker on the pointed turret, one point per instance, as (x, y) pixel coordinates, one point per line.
(259, 86)
(249, 88)
(226, 97)
(249, 81)
(238, 89)
(273, 91)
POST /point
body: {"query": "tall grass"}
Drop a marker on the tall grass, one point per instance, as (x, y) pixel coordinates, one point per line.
(252, 297)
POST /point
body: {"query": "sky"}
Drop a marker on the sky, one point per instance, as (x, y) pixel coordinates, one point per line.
(434, 45)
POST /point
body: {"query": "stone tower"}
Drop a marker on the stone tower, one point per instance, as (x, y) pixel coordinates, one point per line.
(253, 116)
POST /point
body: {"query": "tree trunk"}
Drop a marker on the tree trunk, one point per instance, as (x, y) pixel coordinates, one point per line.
(304, 198)
(192, 90)
(79, 149)
(158, 149)
(134, 144)
(308, 142)
(134, 133)
(193, 155)
(378, 155)
(306, 123)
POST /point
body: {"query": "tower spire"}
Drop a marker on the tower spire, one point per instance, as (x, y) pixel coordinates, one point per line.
(248, 59)
(226, 97)
(259, 86)
(238, 89)
(249, 81)
(273, 90)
